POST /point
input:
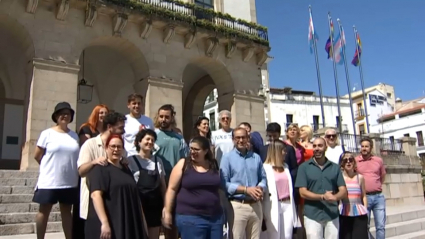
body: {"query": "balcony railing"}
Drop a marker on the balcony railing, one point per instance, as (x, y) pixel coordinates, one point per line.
(360, 113)
(197, 16)
(389, 146)
(386, 146)
(319, 126)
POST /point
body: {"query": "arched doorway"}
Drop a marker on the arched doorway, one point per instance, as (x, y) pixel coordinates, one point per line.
(16, 55)
(114, 66)
(200, 77)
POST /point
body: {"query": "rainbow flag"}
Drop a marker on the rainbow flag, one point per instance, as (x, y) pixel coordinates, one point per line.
(328, 47)
(358, 53)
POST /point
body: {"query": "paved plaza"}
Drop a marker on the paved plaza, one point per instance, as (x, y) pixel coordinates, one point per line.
(48, 236)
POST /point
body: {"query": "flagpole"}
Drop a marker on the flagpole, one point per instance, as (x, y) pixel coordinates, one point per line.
(319, 81)
(336, 78)
(347, 77)
(361, 79)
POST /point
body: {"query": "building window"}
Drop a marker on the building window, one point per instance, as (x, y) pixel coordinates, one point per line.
(209, 4)
(406, 135)
(212, 121)
(289, 119)
(420, 138)
(362, 130)
(210, 97)
(315, 122)
(338, 121)
(389, 95)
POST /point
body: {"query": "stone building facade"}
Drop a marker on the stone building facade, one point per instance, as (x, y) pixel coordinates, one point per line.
(168, 51)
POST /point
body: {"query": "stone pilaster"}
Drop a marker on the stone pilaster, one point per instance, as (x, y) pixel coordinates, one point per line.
(158, 92)
(52, 82)
(245, 108)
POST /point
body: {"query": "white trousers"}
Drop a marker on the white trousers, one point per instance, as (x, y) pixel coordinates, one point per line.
(316, 230)
(286, 219)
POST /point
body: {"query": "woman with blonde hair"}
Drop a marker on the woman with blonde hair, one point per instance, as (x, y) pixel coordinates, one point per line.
(306, 134)
(94, 125)
(279, 210)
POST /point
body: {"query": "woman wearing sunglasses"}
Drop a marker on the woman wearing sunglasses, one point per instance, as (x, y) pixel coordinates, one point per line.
(353, 209)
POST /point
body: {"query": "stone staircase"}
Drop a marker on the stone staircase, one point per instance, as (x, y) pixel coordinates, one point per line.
(17, 212)
(404, 222)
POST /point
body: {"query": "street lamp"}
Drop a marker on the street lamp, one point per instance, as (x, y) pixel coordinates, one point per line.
(85, 92)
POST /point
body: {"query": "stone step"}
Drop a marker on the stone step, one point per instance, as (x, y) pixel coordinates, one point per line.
(25, 217)
(18, 174)
(402, 228)
(16, 190)
(402, 214)
(27, 228)
(413, 235)
(16, 198)
(23, 207)
(29, 182)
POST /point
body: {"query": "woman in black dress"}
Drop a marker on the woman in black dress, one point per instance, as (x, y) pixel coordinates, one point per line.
(115, 210)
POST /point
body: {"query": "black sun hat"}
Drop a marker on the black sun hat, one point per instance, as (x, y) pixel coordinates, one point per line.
(63, 106)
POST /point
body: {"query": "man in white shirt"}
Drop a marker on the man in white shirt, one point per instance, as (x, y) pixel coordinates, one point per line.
(334, 150)
(135, 122)
(222, 139)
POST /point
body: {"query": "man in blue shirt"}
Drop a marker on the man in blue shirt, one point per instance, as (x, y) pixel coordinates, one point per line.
(243, 173)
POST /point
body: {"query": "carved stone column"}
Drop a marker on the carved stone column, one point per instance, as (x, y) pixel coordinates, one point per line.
(158, 92)
(52, 82)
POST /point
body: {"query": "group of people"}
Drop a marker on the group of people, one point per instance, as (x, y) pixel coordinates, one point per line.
(128, 176)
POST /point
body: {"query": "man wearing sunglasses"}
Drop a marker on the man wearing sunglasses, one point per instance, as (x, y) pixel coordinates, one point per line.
(373, 170)
(221, 139)
(334, 150)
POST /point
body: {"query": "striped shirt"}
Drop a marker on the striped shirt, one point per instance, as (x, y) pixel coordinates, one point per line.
(352, 206)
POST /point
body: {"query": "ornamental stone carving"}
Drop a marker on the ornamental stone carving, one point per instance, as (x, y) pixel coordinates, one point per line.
(146, 29)
(211, 46)
(63, 9)
(262, 58)
(189, 39)
(32, 6)
(91, 15)
(247, 54)
(169, 32)
(119, 22)
(230, 48)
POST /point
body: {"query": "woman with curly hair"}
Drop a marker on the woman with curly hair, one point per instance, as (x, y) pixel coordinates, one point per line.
(93, 126)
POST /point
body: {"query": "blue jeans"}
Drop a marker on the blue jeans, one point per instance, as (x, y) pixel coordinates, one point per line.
(200, 227)
(376, 204)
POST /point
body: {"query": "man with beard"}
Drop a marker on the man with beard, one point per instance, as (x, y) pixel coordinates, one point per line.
(135, 122)
(93, 153)
(321, 184)
(373, 170)
(170, 147)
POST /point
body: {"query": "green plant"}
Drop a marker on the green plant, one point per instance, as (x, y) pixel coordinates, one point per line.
(229, 32)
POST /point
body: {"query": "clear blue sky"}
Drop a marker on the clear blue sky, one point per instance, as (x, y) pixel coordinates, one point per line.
(392, 34)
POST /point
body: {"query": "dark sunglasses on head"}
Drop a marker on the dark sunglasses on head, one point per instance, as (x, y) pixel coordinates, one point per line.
(330, 136)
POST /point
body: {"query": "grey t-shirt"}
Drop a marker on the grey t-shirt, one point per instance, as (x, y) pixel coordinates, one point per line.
(148, 164)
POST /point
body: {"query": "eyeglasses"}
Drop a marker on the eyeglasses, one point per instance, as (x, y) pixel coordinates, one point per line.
(330, 136)
(225, 118)
(349, 160)
(115, 147)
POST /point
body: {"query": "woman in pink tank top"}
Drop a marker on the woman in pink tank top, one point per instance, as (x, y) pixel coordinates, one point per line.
(353, 209)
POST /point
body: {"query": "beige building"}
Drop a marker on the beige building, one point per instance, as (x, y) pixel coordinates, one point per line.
(168, 51)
